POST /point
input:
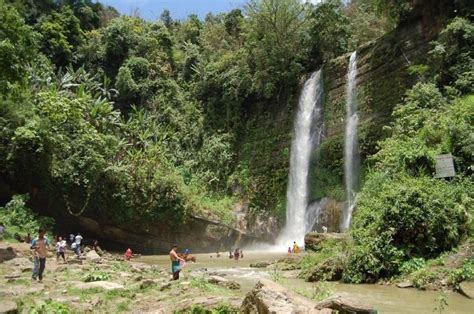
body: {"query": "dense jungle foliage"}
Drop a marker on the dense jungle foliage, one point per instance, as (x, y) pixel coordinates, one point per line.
(133, 120)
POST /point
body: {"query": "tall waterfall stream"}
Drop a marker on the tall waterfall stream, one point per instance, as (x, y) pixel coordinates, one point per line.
(351, 155)
(307, 136)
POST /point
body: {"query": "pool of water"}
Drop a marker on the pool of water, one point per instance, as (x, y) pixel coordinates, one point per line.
(386, 299)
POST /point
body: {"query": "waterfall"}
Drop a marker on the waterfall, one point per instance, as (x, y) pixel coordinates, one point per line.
(351, 149)
(307, 135)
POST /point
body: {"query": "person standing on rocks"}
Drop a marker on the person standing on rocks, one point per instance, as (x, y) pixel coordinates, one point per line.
(2, 230)
(175, 259)
(78, 240)
(39, 247)
(60, 249)
(296, 248)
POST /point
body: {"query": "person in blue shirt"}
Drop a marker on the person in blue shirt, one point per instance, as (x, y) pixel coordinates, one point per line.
(39, 247)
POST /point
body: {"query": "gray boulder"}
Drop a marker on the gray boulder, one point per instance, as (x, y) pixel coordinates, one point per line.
(467, 288)
(92, 256)
(8, 307)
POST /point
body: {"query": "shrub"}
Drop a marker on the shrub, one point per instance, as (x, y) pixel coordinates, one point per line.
(18, 218)
(95, 274)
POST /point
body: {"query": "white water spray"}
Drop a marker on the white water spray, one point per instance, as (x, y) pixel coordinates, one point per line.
(307, 135)
(351, 155)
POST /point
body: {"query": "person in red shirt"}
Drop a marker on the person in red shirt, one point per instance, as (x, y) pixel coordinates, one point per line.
(128, 254)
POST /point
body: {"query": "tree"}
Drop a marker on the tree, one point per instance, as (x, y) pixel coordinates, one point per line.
(17, 46)
(329, 31)
(62, 34)
(275, 39)
(166, 18)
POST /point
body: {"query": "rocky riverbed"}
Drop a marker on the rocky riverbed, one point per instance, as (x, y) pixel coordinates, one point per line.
(260, 283)
(106, 283)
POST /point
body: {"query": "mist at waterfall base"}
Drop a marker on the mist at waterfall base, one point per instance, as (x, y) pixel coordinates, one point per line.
(300, 217)
(351, 149)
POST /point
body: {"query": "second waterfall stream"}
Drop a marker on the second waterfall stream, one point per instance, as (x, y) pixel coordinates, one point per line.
(307, 136)
(351, 146)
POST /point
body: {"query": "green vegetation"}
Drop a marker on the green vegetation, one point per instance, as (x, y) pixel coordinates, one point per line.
(128, 120)
(20, 220)
(407, 219)
(96, 274)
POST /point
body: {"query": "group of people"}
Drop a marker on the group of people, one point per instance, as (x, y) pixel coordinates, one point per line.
(39, 249)
(237, 254)
(295, 250)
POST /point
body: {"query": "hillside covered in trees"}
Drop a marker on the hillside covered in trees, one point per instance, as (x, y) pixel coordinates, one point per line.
(134, 122)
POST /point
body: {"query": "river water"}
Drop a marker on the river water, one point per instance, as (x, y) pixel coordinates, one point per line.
(386, 299)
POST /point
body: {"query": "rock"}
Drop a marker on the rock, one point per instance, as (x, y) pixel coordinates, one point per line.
(313, 241)
(138, 278)
(8, 307)
(12, 276)
(217, 279)
(75, 261)
(165, 286)
(105, 285)
(231, 285)
(87, 249)
(7, 254)
(269, 297)
(345, 305)
(92, 256)
(467, 288)
(224, 282)
(25, 269)
(185, 305)
(148, 283)
(95, 300)
(60, 268)
(260, 264)
(328, 270)
(405, 284)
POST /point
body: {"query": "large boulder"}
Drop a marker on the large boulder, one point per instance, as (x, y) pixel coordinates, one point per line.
(92, 256)
(224, 282)
(467, 288)
(8, 307)
(345, 305)
(7, 254)
(328, 270)
(269, 297)
(104, 285)
(260, 264)
(313, 241)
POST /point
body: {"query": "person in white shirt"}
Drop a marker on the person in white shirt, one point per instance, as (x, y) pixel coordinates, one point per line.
(61, 249)
(78, 240)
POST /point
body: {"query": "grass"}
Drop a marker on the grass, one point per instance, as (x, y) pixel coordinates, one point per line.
(202, 284)
(318, 292)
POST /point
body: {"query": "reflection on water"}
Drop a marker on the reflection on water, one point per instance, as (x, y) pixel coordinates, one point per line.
(386, 299)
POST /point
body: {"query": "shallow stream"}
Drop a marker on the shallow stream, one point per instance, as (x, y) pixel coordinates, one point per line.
(386, 299)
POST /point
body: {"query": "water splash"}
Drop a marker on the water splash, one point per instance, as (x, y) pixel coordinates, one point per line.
(351, 149)
(307, 135)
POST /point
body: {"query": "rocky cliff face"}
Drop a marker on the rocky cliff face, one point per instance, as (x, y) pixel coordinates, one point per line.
(383, 77)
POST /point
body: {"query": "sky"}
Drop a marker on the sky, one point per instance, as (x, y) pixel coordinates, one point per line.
(180, 9)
